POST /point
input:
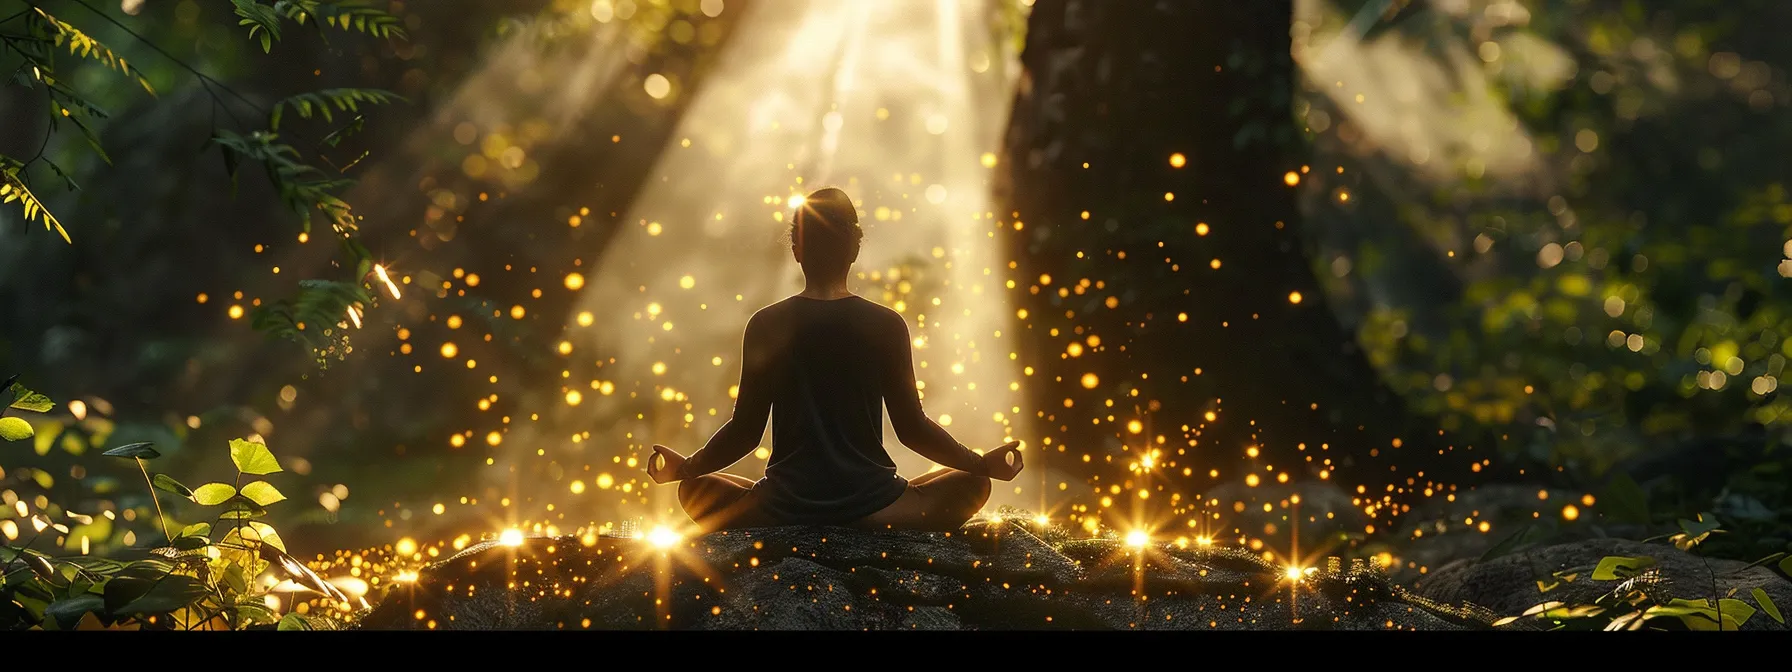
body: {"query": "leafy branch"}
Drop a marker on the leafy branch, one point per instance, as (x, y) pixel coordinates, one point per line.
(303, 188)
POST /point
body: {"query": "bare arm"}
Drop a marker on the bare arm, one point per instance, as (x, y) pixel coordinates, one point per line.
(752, 404)
(913, 428)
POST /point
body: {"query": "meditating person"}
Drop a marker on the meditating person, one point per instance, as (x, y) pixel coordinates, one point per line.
(821, 364)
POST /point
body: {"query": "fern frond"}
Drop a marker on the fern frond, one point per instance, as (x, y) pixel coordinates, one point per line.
(79, 43)
(263, 22)
(14, 189)
(345, 15)
(302, 187)
(315, 315)
(319, 103)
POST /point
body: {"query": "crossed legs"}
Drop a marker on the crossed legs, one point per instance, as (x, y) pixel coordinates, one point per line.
(720, 501)
(940, 500)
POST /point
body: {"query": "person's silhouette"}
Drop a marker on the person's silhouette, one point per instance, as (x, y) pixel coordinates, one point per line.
(821, 364)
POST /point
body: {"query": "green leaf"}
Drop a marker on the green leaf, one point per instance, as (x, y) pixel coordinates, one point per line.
(192, 543)
(68, 612)
(233, 577)
(213, 494)
(293, 621)
(170, 593)
(196, 530)
(166, 483)
(14, 429)
(1767, 605)
(1698, 614)
(242, 508)
(1706, 524)
(253, 458)
(1616, 567)
(263, 493)
(133, 450)
(26, 400)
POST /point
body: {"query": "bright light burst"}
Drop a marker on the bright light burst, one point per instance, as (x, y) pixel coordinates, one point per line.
(511, 537)
(1138, 539)
(663, 537)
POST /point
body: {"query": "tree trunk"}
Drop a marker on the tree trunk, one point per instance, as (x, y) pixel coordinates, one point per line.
(1155, 230)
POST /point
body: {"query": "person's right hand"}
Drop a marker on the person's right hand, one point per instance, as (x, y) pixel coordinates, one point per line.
(1004, 463)
(664, 464)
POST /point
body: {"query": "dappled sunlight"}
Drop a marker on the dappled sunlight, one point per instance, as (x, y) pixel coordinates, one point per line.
(897, 103)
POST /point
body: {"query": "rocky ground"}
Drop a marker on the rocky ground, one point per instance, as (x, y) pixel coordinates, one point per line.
(1014, 575)
(987, 576)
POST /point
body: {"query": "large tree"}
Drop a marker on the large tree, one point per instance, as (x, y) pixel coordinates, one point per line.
(1151, 172)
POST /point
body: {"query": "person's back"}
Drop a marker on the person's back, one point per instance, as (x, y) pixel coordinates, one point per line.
(824, 363)
(828, 360)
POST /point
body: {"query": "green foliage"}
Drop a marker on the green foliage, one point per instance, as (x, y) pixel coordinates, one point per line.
(1616, 567)
(12, 188)
(14, 429)
(198, 581)
(264, 20)
(17, 429)
(64, 34)
(144, 450)
(293, 169)
(302, 187)
(319, 103)
(251, 457)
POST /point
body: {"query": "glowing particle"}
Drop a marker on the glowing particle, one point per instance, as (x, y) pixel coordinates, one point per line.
(657, 86)
(989, 160)
(494, 438)
(517, 312)
(1292, 178)
(235, 312)
(1201, 229)
(405, 546)
(687, 282)
(380, 270)
(575, 280)
(449, 350)
(586, 318)
(1570, 512)
(1177, 160)
(1294, 297)
(573, 397)
(1090, 381)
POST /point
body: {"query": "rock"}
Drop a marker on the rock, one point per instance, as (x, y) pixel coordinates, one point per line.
(987, 576)
(1436, 533)
(1509, 584)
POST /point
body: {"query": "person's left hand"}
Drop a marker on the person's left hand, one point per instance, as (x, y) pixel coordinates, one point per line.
(664, 464)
